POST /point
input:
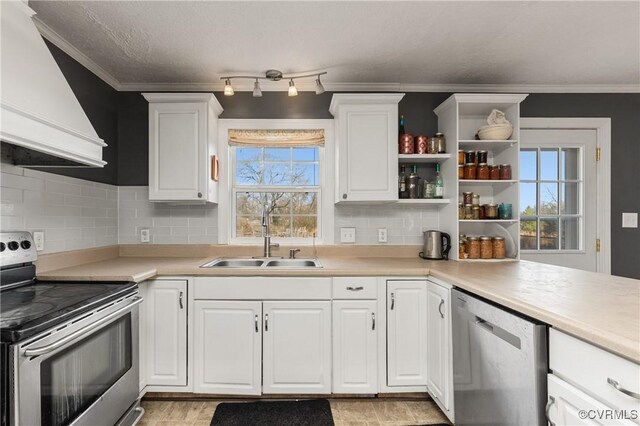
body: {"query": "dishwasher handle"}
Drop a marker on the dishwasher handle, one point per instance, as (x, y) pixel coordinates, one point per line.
(499, 332)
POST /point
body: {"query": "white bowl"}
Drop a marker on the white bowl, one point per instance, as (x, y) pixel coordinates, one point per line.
(497, 132)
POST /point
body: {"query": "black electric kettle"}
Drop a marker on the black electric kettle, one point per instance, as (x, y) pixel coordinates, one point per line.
(436, 245)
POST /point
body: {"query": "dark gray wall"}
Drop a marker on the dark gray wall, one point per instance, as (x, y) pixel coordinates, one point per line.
(100, 103)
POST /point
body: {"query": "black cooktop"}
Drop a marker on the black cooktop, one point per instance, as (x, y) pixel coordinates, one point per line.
(37, 306)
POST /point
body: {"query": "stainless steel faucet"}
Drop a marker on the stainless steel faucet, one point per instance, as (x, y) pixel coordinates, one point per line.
(265, 232)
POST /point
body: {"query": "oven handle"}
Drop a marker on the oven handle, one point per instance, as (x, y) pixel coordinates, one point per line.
(73, 336)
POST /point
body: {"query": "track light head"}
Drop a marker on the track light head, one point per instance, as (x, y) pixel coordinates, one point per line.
(228, 89)
(292, 88)
(319, 86)
(257, 91)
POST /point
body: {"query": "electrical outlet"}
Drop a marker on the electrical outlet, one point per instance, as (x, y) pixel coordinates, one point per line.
(348, 235)
(144, 235)
(38, 240)
(629, 220)
(382, 235)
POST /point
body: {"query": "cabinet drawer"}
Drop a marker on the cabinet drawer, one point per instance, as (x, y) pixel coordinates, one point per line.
(355, 288)
(590, 368)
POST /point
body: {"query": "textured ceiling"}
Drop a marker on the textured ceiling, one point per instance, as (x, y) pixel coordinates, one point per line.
(439, 43)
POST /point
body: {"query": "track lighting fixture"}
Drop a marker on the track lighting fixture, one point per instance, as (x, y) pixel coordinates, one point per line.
(257, 92)
(272, 75)
(292, 88)
(228, 89)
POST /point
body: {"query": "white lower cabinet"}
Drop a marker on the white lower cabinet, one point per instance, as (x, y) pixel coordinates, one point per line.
(355, 349)
(567, 405)
(439, 359)
(297, 347)
(406, 333)
(165, 328)
(228, 347)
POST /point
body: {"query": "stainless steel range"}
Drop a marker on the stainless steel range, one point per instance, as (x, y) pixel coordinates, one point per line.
(69, 351)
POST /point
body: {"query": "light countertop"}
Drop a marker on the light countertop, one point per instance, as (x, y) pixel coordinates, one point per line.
(601, 309)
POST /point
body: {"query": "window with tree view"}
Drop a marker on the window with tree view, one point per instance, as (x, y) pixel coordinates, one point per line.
(286, 182)
(550, 199)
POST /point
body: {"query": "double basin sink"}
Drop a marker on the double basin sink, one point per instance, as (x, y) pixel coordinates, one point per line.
(262, 263)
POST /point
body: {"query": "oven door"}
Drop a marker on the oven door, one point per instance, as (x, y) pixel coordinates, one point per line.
(84, 372)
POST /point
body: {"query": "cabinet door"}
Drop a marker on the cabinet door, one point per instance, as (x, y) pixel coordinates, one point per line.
(177, 143)
(228, 347)
(406, 333)
(297, 347)
(367, 153)
(355, 354)
(566, 404)
(166, 328)
(439, 366)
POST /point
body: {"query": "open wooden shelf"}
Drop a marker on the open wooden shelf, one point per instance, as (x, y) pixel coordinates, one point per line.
(488, 260)
(488, 220)
(486, 182)
(422, 158)
(487, 144)
(424, 201)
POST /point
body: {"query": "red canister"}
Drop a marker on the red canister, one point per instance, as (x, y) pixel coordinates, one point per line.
(421, 143)
(405, 143)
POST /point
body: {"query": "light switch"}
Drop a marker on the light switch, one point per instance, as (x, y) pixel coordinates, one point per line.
(348, 235)
(629, 220)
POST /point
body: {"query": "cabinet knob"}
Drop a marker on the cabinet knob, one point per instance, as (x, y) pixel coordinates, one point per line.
(199, 194)
(344, 196)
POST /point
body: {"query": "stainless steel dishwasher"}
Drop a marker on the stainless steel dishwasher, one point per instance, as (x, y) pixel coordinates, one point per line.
(499, 364)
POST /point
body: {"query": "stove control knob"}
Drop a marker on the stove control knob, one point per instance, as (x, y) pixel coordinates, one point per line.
(13, 245)
(2, 246)
(25, 244)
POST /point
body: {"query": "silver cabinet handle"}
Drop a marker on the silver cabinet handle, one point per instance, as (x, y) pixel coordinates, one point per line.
(373, 320)
(552, 400)
(440, 308)
(266, 322)
(77, 334)
(180, 301)
(393, 301)
(350, 288)
(619, 388)
(256, 321)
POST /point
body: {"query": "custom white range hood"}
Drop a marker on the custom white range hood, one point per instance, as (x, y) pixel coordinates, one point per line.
(42, 121)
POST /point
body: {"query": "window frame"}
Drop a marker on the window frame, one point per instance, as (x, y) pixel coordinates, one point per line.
(235, 189)
(559, 181)
(327, 171)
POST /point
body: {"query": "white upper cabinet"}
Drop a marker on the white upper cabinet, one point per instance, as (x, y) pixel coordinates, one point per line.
(366, 147)
(183, 164)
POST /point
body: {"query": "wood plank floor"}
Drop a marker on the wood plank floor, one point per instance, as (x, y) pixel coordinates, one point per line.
(346, 412)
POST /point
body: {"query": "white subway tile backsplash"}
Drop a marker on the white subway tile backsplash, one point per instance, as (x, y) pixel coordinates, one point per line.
(73, 213)
(405, 224)
(167, 224)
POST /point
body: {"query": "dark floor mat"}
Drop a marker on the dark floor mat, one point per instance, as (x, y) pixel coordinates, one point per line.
(282, 413)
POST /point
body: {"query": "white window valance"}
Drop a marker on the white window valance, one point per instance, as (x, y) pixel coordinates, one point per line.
(276, 138)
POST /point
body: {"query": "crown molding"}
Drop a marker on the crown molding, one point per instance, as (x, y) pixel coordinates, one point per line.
(247, 86)
(388, 87)
(55, 38)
